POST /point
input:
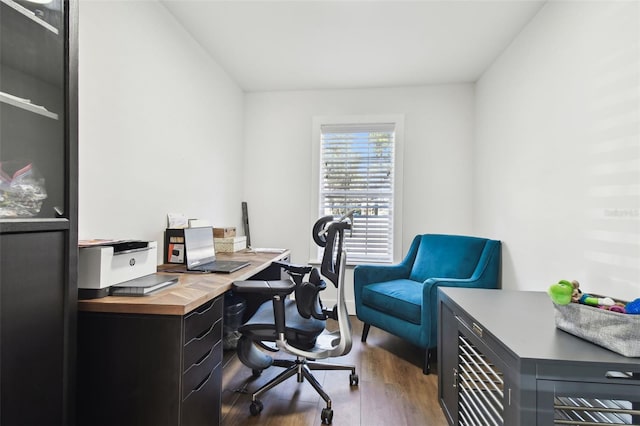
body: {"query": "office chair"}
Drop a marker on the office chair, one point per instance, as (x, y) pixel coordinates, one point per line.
(298, 326)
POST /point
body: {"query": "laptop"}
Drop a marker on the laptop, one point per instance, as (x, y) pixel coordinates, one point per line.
(143, 285)
(201, 254)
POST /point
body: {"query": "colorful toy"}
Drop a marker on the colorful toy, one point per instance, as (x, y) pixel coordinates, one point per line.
(561, 292)
(617, 308)
(576, 294)
(633, 307)
(587, 299)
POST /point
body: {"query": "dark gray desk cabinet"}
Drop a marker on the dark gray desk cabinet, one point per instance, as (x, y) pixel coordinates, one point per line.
(38, 237)
(150, 370)
(503, 362)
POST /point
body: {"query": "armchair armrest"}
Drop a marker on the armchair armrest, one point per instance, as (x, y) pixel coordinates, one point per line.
(267, 288)
(366, 274)
(430, 296)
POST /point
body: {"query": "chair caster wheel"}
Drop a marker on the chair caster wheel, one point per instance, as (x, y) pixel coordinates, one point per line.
(256, 407)
(353, 379)
(256, 373)
(326, 416)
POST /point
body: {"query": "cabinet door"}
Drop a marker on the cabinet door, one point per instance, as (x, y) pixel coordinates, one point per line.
(585, 403)
(482, 391)
(32, 324)
(33, 98)
(448, 363)
(129, 369)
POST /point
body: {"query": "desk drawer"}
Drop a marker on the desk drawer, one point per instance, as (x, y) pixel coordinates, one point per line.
(196, 349)
(202, 405)
(195, 377)
(198, 321)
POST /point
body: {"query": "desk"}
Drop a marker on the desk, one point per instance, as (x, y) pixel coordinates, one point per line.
(156, 360)
(502, 358)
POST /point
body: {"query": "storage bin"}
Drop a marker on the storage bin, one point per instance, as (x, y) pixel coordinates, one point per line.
(612, 330)
(226, 232)
(230, 245)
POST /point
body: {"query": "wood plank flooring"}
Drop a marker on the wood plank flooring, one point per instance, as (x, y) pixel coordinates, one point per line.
(392, 389)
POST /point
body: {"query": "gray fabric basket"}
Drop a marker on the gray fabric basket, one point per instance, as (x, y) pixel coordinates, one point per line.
(617, 332)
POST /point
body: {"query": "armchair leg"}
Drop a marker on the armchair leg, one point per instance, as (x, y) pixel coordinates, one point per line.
(428, 357)
(365, 332)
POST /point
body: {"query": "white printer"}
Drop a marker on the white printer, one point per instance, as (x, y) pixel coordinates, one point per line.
(113, 262)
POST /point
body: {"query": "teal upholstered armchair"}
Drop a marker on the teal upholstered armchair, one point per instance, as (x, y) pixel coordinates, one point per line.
(402, 299)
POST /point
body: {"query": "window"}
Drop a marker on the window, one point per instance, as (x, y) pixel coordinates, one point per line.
(357, 171)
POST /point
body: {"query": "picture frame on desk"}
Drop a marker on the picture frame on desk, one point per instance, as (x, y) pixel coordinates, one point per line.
(174, 246)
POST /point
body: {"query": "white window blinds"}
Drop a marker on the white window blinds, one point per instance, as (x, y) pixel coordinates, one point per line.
(357, 172)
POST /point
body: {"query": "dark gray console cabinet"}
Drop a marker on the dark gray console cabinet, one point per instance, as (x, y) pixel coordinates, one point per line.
(503, 362)
(38, 211)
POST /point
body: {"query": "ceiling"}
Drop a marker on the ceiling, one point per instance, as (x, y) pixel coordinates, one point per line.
(297, 45)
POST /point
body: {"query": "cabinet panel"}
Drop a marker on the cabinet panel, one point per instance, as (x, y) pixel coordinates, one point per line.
(481, 386)
(448, 367)
(129, 369)
(32, 324)
(38, 211)
(581, 403)
(33, 104)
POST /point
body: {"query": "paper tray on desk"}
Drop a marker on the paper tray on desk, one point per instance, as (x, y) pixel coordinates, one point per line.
(617, 332)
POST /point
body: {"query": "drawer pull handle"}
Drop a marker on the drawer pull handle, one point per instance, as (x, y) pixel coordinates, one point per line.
(625, 375)
(207, 307)
(455, 378)
(205, 356)
(201, 384)
(204, 333)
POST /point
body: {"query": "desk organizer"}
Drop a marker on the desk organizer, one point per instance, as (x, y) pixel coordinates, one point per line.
(612, 330)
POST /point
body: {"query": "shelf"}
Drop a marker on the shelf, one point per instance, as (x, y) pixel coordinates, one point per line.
(29, 14)
(28, 224)
(26, 104)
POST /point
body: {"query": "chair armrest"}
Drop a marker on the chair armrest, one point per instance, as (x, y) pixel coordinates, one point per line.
(295, 269)
(267, 288)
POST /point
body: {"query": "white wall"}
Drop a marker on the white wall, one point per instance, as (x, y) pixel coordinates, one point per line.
(558, 150)
(438, 134)
(160, 122)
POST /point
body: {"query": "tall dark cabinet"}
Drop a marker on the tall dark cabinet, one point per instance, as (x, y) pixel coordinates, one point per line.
(38, 211)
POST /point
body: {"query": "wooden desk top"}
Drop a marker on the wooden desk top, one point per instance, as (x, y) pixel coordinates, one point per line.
(191, 291)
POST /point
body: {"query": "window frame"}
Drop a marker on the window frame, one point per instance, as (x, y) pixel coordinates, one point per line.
(398, 121)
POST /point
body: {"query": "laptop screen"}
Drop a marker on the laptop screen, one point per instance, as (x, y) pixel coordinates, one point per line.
(198, 244)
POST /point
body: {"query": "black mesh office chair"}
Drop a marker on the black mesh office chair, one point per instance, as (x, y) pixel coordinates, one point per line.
(298, 326)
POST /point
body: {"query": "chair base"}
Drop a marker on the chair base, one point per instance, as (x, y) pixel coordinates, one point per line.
(301, 367)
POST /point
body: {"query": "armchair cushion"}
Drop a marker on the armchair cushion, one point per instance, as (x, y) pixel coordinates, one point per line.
(444, 256)
(399, 298)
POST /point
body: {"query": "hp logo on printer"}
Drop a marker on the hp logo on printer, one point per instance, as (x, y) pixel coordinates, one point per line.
(132, 261)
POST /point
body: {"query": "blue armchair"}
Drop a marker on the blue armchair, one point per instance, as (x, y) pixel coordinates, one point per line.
(402, 299)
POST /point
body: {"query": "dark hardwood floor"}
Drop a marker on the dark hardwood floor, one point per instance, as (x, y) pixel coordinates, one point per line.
(392, 389)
